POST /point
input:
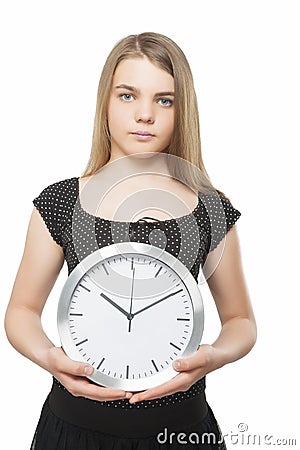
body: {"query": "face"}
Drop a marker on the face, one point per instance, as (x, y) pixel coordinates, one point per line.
(140, 108)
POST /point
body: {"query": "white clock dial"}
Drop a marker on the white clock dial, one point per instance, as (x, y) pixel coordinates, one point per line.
(130, 313)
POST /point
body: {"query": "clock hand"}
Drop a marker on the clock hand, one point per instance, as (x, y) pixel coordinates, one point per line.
(155, 303)
(131, 301)
(116, 305)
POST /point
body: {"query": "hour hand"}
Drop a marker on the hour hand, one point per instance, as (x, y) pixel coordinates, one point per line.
(115, 305)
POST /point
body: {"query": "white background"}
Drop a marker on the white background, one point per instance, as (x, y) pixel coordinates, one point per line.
(245, 59)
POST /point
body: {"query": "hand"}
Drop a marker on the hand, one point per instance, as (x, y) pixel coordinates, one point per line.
(157, 301)
(115, 305)
(72, 375)
(204, 360)
(130, 317)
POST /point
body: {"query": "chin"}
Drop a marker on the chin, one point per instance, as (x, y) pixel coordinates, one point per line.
(144, 154)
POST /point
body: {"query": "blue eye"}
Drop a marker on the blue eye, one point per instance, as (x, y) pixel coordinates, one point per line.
(166, 101)
(126, 97)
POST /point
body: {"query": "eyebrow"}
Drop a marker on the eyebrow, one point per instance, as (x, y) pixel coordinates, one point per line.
(137, 91)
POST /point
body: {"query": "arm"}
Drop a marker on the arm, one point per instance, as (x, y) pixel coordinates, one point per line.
(238, 333)
(228, 287)
(39, 268)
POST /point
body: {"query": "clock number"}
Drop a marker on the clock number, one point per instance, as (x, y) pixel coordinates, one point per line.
(157, 272)
(105, 269)
(154, 365)
(100, 363)
(171, 343)
(81, 342)
(84, 287)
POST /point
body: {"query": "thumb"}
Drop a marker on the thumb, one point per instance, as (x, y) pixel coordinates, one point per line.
(182, 365)
(195, 361)
(65, 364)
(177, 365)
(78, 368)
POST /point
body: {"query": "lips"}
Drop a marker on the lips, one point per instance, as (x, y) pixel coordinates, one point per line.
(142, 133)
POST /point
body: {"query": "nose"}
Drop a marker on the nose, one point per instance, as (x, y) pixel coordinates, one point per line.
(144, 112)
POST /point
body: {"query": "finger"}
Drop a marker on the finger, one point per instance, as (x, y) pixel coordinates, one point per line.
(80, 387)
(176, 384)
(103, 393)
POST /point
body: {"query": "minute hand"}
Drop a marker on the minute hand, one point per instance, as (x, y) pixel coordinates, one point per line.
(155, 303)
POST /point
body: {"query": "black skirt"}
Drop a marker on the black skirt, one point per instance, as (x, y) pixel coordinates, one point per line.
(75, 423)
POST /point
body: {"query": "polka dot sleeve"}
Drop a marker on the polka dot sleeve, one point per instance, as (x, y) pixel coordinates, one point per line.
(222, 217)
(45, 203)
(55, 205)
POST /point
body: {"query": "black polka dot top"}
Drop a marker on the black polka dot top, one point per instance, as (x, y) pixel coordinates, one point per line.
(189, 238)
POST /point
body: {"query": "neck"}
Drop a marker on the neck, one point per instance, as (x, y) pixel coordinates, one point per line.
(143, 163)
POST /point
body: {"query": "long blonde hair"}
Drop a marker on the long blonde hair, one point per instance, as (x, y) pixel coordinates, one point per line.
(185, 142)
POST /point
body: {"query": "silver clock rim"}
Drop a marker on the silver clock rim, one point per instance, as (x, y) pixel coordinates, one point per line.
(95, 258)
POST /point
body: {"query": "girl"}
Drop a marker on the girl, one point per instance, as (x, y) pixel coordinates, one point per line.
(146, 122)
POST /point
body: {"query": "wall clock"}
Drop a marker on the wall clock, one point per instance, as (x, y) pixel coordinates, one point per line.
(129, 310)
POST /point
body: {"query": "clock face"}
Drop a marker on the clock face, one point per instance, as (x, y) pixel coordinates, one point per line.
(130, 310)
